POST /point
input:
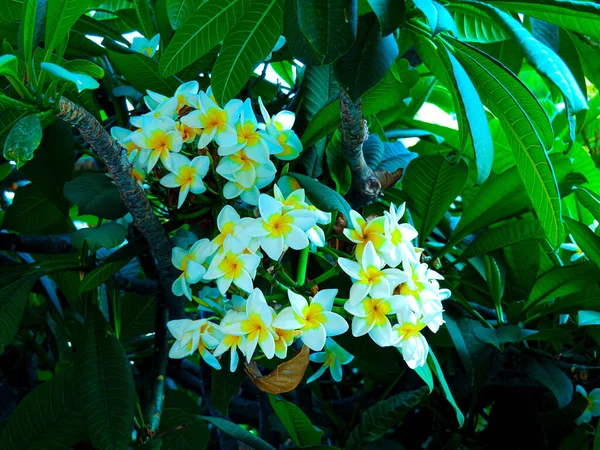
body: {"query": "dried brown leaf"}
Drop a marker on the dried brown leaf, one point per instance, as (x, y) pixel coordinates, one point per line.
(284, 378)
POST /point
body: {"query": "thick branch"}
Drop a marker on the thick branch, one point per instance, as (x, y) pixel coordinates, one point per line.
(365, 185)
(47, 244)
(133, 196)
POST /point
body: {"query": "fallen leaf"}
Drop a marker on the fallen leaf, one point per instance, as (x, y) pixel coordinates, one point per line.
(284, 378)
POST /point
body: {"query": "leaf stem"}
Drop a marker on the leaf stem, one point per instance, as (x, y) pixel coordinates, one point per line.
(302, 263)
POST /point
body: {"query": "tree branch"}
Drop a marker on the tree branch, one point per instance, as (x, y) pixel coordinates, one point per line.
(134, 198)
(365, 184)
(46, 244)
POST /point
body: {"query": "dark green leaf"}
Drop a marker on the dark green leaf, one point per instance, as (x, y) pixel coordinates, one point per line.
(585, 238)
(144, 16)
(390, 14)
(13, 299)
(23, 139)
(31, 212)
(108, 235)
(299, 45)
(61, 15)
(96, 195)
(337, 165)
(299, 427)
(238, 433)
(552, 377)
(182, 430)
(474, 25)
(179, 11)
(32, 27)
(437, 370)
(224, 385)
(137, 316)
(104, 384)
(589, 199)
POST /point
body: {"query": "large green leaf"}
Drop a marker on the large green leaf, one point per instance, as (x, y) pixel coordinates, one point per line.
(182, 430)
(299, 427)
(238, 433)
(32, 27)
(473, 25)
(145, 19)
(245, 47)
(390, 14)
(225, 384)
(378, 419)
(329, 26)
(23, 139)
(337, 164)
(138, 314)
(104, 384)
(589, 199)
(367, 61)
(580, 16)
(198, 34)
(96, 195)
(61, 15)
(435, 367)
(299, 45)
(13, 299)
(47, 418)
(493, 81)
(510, 233)
(179, 11)
(108, 235)
(10, 11)
(432, 184)
(586, 239)
(318, 85)
(31, 212)
(552, 377)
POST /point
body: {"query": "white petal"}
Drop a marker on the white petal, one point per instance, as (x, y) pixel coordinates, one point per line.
(335, 324)
(296, 238)
(298, 303)
(314, 338)
(325, 298)
(273, 246)
(287, 319)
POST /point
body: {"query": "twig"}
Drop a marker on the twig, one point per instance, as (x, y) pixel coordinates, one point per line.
(44, 244)
(115, 159)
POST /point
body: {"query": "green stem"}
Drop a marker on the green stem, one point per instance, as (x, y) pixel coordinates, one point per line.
(193, 214)
(276, 297)
(285, 278)
(335, 252)
(339, 301)
(324, 276)
(302, 263)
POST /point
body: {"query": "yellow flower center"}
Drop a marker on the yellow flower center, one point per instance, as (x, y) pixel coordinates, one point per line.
(185, 175)
(279, 223)
(371, 275)
(215, 118)
(313, 316)
(247, 134)
(410, 330)
(231, 266)
(377, 311)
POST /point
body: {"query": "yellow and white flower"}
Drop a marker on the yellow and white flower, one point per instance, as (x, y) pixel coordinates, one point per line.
(408, 338)
(231, 226)
(187, 175)
(145, 46)
(284, 338)
(363, 232)
(190, 263)
(277, 228)
(229, 267)
(370, 316)
(280, 128)
(370, 277)
(233, 189)
(163, 106)
(192, 335)
(314, 319)
(333, 358)
(239, 167)
(255, 325)
(416, 288)
(160, 137)
(399, 235)
(215, 122)
(230, 342)
(137, 172)
(123, 137)
(593, 405)
(209, 299)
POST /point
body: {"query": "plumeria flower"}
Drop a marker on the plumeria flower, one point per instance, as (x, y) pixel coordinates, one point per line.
(416, 289)
(255, 325)
(233, 189)
(277, 228)
(163, 106)
(230, 342)
(160, 137)
(209, 299)
(593, 406)
(280, 128)
(191, 335)
(408, 337)
(284, 339)
(334, 357)
(257, 144)
(399, 237)
(215, 122)
(138, 173)
(363, 232)
(123, 137)
(231, 227)
(145, 46)
(190, 263)
(229, 267)
(316, 234)
(370, 316)
(433, 307)
(370, 278)
(188, 134)
(242, 169)
(314, 319)
(187, 175)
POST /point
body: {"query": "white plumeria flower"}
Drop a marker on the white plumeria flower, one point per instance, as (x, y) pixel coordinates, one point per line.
(145, 46)
(257, 144)
(370, 316)
(192, 335)
(334, 357)
(231, 227)
(123, 137)
(137, 172)
(593, 406)
(255, 324)
(363, 232)
(399, 237)
(229, 267)
(187, 175)
(314, 319)
(209, 299)
(280, 128)
(277, 228)
(160, 137)
(233, 189)
(417, 288)
(408, 337)
(284, 339)
(432, 307)
(240, 168)
(215, 122)
(316, 234)
(369, 275)
(190, 263)
(230, 342)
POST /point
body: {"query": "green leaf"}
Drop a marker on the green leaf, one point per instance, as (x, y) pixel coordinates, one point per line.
(495, 283)
(367, 61)
(299, 427)
(31, 212)
(337, 165)
(432, 184)
(7, 103)
(589, 199)
(438, 17)
(510, 233)
(552, 377)
(61, 15)
(104, 384)
(323, 197)
(318, 86)
(425, 373)
(47, 418)
(80, 80)
(390, 14)
(85, 67)
(329, 26)
(23, 139)
(225, 384)
(141, 72)
(586, 318)
(95, 195)
(437, 370)
(13, 299)
(182, 430)
(238, 433)
(32, 27)
(493, 82)
(474, 25)
(586, 239)
(245, 47)
(9, 66)
(108, 235)
(10, 11)
(298, 44)
(145, 19)
(196, 36)
(179, 11)
(137, 316)
(386, 414)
